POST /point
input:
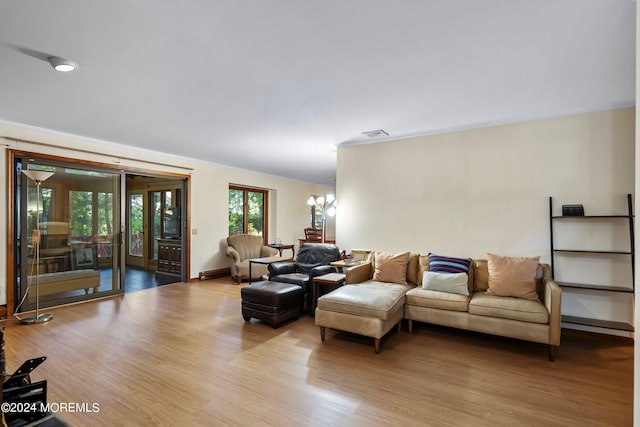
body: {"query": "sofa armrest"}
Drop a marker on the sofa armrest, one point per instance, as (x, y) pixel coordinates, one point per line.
(320, 270)
(231, 252)
(278, 268)
(266, 251)
(553, 303)
(358, 274)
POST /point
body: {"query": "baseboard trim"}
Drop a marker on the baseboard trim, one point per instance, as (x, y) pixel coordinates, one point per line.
(213, 274)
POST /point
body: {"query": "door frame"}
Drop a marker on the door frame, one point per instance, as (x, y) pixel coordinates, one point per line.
(11, 155)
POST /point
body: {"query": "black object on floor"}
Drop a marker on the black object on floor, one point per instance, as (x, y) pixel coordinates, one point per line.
(272, 302)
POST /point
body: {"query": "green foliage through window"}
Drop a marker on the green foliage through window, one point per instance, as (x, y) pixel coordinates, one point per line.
(247, 211)
(136, 224)
(81, 215)
(236, 212)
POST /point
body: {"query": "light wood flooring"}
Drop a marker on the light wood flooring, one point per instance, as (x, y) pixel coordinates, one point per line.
(181, 355)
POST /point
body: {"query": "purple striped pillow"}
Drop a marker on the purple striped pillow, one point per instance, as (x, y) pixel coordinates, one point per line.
(447, 264)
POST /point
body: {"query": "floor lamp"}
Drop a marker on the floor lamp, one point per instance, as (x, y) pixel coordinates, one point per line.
(328, 206)
(38, 177)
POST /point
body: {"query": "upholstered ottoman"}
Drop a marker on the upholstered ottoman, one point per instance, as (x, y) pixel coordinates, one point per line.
(271, 302)
(371, 309)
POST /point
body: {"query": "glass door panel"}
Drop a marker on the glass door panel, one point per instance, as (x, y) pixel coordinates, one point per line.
(105, 229)
(156, 203)
(135, 226)
(65, 235)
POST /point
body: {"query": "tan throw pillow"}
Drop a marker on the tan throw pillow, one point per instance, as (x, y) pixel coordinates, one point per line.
(391, 268)
(513, 276)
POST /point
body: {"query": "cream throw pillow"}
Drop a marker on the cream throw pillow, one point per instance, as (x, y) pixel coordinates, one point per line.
(452, 283)
(513, 276)
(391, 268)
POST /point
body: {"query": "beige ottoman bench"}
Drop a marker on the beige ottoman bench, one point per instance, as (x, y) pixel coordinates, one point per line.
(370, 309)
(65, 281)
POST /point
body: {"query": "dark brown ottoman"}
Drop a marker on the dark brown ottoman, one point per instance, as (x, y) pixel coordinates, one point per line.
(271, 302)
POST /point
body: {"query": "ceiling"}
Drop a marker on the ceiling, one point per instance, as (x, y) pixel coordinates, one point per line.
(274, 86)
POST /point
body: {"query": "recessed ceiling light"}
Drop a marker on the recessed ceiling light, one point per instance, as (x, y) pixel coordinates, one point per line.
(375, 133)
(61, 64)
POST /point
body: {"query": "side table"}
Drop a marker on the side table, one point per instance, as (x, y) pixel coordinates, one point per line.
(281, 247)
(335, 280)
(346, 263)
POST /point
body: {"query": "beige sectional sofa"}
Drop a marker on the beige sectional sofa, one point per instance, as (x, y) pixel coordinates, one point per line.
(372, 308)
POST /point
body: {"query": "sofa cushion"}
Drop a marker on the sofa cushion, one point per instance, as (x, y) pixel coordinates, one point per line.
(513, 276)
(448, 264)
(391, 268)
(423, 265)
(299, 279)
(485, 304)
(480, 275)
(412, 270)
(453, 283)
(372, 299)
(434, 299)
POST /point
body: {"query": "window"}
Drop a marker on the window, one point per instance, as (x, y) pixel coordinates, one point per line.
(316, 216)
(248, 211)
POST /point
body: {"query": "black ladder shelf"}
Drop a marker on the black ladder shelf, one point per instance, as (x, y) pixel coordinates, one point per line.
(602, 288)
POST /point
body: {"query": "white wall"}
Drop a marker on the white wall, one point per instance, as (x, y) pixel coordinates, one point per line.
(486, 190)
(288, 211)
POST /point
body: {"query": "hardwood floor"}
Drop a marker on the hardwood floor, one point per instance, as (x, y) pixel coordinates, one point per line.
(181, 355)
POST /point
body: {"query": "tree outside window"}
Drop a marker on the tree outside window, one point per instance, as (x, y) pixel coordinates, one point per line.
(81, 216)
(247, 211)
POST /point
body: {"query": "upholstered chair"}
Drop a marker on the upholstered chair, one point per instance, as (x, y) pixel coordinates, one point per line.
(243, 247)
(312, 260)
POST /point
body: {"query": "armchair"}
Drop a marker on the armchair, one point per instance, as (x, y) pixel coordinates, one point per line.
(243, 247)
(313, 260)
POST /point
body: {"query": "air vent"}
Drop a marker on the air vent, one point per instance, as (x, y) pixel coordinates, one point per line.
(375, 133)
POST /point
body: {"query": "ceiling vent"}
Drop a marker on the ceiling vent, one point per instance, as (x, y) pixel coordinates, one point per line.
(375, 133)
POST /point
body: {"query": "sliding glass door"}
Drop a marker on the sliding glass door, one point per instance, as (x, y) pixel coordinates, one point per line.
(67, 234)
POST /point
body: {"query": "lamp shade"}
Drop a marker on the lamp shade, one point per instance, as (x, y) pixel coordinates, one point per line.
(38, 176)
(311, 201)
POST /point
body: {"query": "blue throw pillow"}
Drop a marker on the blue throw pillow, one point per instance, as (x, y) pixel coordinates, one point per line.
(447, 264)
